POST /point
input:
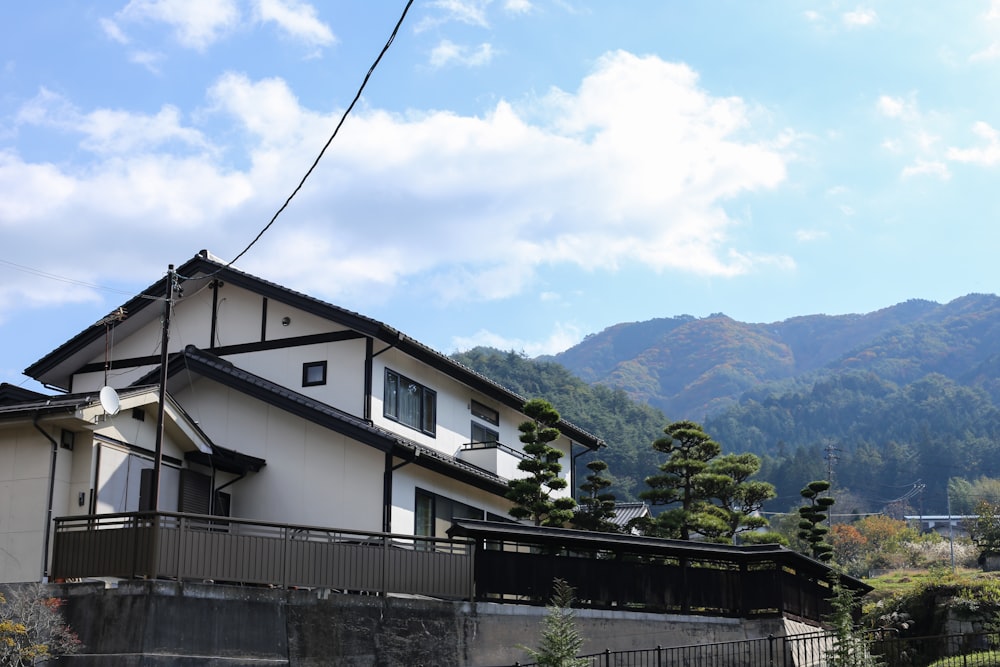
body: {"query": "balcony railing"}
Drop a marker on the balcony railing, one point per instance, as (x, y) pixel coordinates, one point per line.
(493, 456)
(483, 560)
(168, 545)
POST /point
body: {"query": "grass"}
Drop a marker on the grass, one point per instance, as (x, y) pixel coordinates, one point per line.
(981, 659)
(900, 582)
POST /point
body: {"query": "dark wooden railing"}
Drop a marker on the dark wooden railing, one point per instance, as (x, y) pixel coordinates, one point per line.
(519, 563)
(186, 546)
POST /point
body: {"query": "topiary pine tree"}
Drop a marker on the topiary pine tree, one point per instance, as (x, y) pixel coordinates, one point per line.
(740, 499)
(812, 515)
(531, 495)
(597, 506)
(689, 450)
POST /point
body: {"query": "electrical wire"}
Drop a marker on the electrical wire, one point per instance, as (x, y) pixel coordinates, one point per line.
(73, 281)
(288, 201)
(336, 130)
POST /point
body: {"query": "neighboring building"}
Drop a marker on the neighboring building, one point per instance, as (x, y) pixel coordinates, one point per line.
(955, 525)
(627, 512)
(278, 407)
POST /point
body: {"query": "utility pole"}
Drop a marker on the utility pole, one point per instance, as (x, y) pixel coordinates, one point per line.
(154, 487)
(830, 454)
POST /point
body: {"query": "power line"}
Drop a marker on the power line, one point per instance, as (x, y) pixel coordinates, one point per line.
(312, 167)
(343, 118)
(71, 281)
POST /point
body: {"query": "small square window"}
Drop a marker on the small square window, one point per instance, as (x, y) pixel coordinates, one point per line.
(67, 439)
(313, 373)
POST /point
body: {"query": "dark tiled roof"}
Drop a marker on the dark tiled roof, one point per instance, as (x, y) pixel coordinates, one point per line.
(40, 403)
(203, 267)
(625, 512)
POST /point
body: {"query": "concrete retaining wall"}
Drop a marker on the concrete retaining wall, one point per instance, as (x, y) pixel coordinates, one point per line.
(153, 623)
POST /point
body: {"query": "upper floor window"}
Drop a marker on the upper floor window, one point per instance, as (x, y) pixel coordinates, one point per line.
(482, 434)
(409, 403)
(313, 373)
(485, 413)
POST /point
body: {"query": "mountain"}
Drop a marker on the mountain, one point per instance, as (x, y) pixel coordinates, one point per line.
(891, 404)
(691, 368)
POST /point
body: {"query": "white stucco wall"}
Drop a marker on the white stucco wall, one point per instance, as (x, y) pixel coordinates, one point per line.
(344, 388)
(313, 476)
(25, 457)
(407, 479)
(454, 416)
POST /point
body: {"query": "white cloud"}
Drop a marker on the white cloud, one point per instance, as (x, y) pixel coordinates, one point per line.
(860, 17)
(113, 31)
(635, 167)
(196, 24)
(990, 53)
(518, 6)
(811, 235)
(927, 168)
(892, 107)
(447, 53)
(471, 12)
(562, 338)
(987, 155)
(148, 59)
(296, 18)
(110, 131)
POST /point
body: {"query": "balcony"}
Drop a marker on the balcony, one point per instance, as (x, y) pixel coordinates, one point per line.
(494, 457)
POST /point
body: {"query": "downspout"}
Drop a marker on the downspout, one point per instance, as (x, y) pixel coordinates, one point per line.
(387, 487)
(369, 380)
(52, 486)
(216, 491)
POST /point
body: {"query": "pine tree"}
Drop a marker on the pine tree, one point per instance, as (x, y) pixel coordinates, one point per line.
(531, 495)
(689, 450)
(814, 514)
(596, 506)
(561, 641)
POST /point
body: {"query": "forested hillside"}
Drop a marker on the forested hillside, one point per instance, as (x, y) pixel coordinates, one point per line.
(890, 402)
(691, 368)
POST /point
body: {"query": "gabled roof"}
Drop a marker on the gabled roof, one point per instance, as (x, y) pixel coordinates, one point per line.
(56, 368)
(87, 406)
(10, 394)
(37, 404)
(226, 373)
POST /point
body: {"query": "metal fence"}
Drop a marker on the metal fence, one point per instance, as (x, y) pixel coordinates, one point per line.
(195, 547)
(814, 650)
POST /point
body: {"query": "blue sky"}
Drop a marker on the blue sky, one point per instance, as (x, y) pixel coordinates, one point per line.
(518, 173)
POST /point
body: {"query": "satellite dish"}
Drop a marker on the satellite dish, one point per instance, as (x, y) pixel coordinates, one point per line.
(109, 401)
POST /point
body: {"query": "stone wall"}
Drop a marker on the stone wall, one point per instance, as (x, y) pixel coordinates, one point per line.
(153, 623)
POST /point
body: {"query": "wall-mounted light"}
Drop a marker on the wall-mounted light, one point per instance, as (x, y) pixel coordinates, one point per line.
(285, 321)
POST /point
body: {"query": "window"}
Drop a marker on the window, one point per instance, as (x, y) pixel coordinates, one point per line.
(67, 439)
(482, 434)
(313, 373)
(485, 413)
(433, 514)
(409, 403)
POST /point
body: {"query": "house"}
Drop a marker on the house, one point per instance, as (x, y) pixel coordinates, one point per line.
(275, 406)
